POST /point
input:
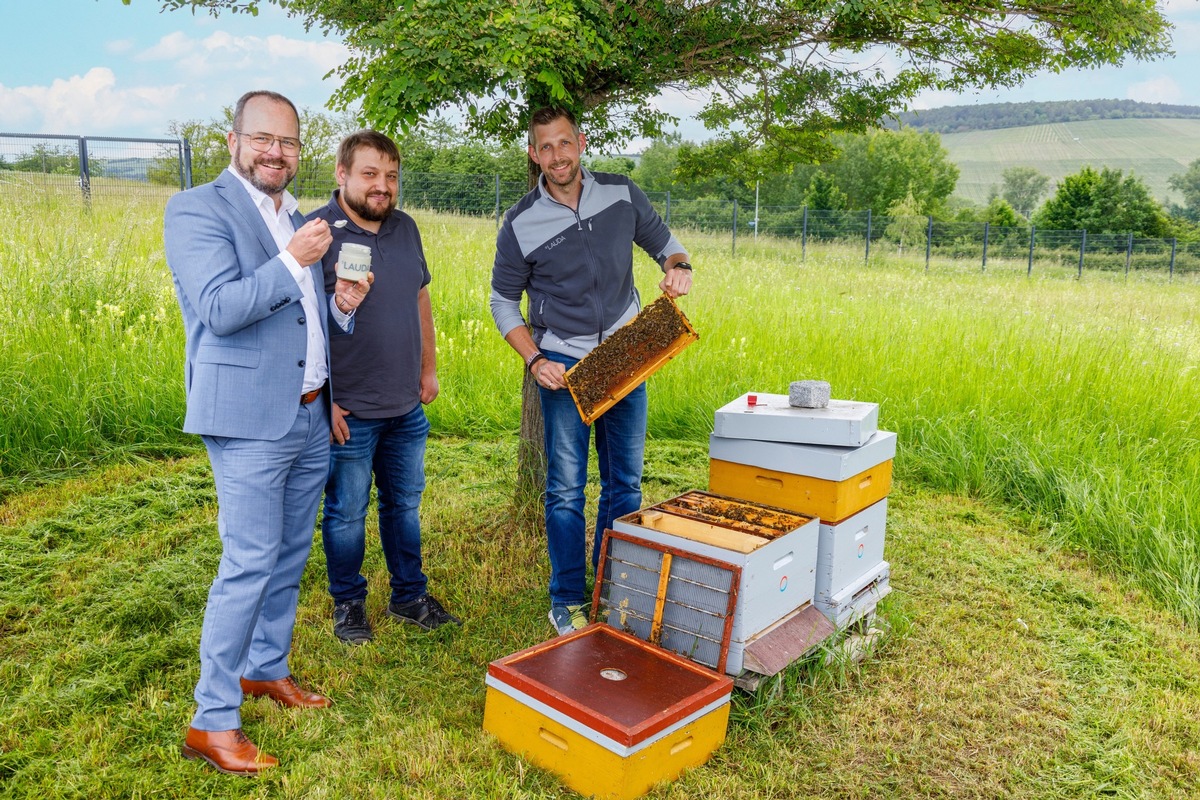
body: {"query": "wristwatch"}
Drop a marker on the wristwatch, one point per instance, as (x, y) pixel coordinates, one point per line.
(682, 265)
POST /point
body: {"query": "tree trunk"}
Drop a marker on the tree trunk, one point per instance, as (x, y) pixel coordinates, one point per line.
(531, 460)
(531, 447)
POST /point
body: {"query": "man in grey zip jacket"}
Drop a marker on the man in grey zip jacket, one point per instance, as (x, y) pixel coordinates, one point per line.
(568, 245)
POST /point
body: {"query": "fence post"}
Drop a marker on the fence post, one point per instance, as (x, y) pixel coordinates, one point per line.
(185, 164)
(733, 249)
(497, 199)
(986, 229)
(928, 241)
(1082, 250)
(85, 180)
(1128, 255)
(867, 257)
(667, 216)
(1171, 274)
(804, 236)
(1029, 269)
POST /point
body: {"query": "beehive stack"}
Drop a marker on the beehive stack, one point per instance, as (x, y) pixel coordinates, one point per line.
(774, 551)
(829, 462)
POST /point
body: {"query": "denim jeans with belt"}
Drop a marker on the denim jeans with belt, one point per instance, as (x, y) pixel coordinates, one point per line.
(393, 449)
(620, 446)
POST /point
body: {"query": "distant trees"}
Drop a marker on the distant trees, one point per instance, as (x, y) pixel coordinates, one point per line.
(880, 168)
(1104, 202)
(622, 165)
(1187, 183)
(991, 116)
(1022, 188)
(48, 159)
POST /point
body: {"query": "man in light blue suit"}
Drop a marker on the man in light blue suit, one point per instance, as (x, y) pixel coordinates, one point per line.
(247, 273)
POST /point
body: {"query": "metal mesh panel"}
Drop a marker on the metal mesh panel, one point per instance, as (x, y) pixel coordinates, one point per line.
(691, 611)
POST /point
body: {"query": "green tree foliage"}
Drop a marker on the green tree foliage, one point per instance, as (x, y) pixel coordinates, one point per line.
(622, 165)
(1022, 188)
(883, 167)
(824, 195)
(907, 227)
(49, 159)
(438, 147)
(1000, 214)
(1187, 183)
(781, 75)
(1103, 202)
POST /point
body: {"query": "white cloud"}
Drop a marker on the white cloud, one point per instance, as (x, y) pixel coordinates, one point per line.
(83, 104)
(222, 52)
(1162, 89)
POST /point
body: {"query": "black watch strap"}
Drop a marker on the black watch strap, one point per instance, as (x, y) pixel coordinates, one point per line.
(682, 265)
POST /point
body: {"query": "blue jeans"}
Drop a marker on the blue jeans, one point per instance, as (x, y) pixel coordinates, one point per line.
(393, 449)
(620, 445)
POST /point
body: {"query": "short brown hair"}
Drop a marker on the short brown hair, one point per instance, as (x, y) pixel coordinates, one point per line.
(239, 110)
(547, 114)
(366, 138)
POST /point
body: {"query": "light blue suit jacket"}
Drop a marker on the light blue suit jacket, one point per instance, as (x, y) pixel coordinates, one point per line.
(246, 330)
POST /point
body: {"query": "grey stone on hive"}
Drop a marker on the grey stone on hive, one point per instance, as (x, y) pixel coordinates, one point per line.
(809, 394)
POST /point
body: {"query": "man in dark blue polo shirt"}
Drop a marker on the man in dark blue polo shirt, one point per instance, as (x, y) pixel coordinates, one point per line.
(380, 376)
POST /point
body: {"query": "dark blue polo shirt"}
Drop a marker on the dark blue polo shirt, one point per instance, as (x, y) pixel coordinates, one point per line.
(376, 370)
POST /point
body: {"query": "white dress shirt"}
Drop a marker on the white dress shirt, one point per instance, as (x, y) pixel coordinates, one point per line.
(279, 223)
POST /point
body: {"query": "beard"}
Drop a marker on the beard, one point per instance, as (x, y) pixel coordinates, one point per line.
(362, 205)
(572, 176)
(267, 184)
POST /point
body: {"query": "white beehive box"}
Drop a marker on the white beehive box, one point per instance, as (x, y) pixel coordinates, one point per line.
(849, 549)
(858, 599)
(843, 423)
(826, 462)
(778, 575)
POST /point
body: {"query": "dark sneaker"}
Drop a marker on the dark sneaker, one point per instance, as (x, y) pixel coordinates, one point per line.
(350, 623)
(567, 619)
(425, 612)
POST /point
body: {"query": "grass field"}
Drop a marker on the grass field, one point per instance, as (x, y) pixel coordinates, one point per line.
(1152, 149)
(1042, 532)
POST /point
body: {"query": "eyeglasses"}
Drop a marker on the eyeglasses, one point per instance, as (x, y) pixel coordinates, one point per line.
(262, 142)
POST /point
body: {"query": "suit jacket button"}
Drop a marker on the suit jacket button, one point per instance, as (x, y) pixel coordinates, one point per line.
(299, 363)
(301, 320)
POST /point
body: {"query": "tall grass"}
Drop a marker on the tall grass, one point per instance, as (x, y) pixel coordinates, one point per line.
(1072, 401)
(90, 337)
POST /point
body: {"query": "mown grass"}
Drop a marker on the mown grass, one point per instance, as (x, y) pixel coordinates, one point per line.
(1012, 668)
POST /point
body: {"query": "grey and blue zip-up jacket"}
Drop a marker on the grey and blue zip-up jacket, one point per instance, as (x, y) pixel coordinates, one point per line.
(576, 266)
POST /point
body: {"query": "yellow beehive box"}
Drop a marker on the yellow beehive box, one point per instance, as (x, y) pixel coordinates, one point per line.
(831, 483)
(608, 713)
(831, 501)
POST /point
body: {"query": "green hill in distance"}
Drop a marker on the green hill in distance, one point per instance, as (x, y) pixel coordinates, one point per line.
(992, 116)
(1152, 149)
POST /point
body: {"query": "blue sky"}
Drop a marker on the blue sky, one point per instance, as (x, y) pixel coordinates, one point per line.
(101, 68)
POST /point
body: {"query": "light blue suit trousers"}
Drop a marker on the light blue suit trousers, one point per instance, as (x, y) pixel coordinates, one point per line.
(245, 362)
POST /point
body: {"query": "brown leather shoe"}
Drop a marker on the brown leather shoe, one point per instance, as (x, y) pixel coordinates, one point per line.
(286, 692)
(229, 751)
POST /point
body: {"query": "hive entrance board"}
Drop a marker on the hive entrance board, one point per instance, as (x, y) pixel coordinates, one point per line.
(633, 353)
(679, 601)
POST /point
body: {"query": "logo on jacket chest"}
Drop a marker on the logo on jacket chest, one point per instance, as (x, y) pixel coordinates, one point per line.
(554, 243)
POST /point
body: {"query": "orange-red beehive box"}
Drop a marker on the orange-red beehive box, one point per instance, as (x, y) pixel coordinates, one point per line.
(608, 713)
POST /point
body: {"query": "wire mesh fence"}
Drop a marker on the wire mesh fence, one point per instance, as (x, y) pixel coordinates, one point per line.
(99, 168)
